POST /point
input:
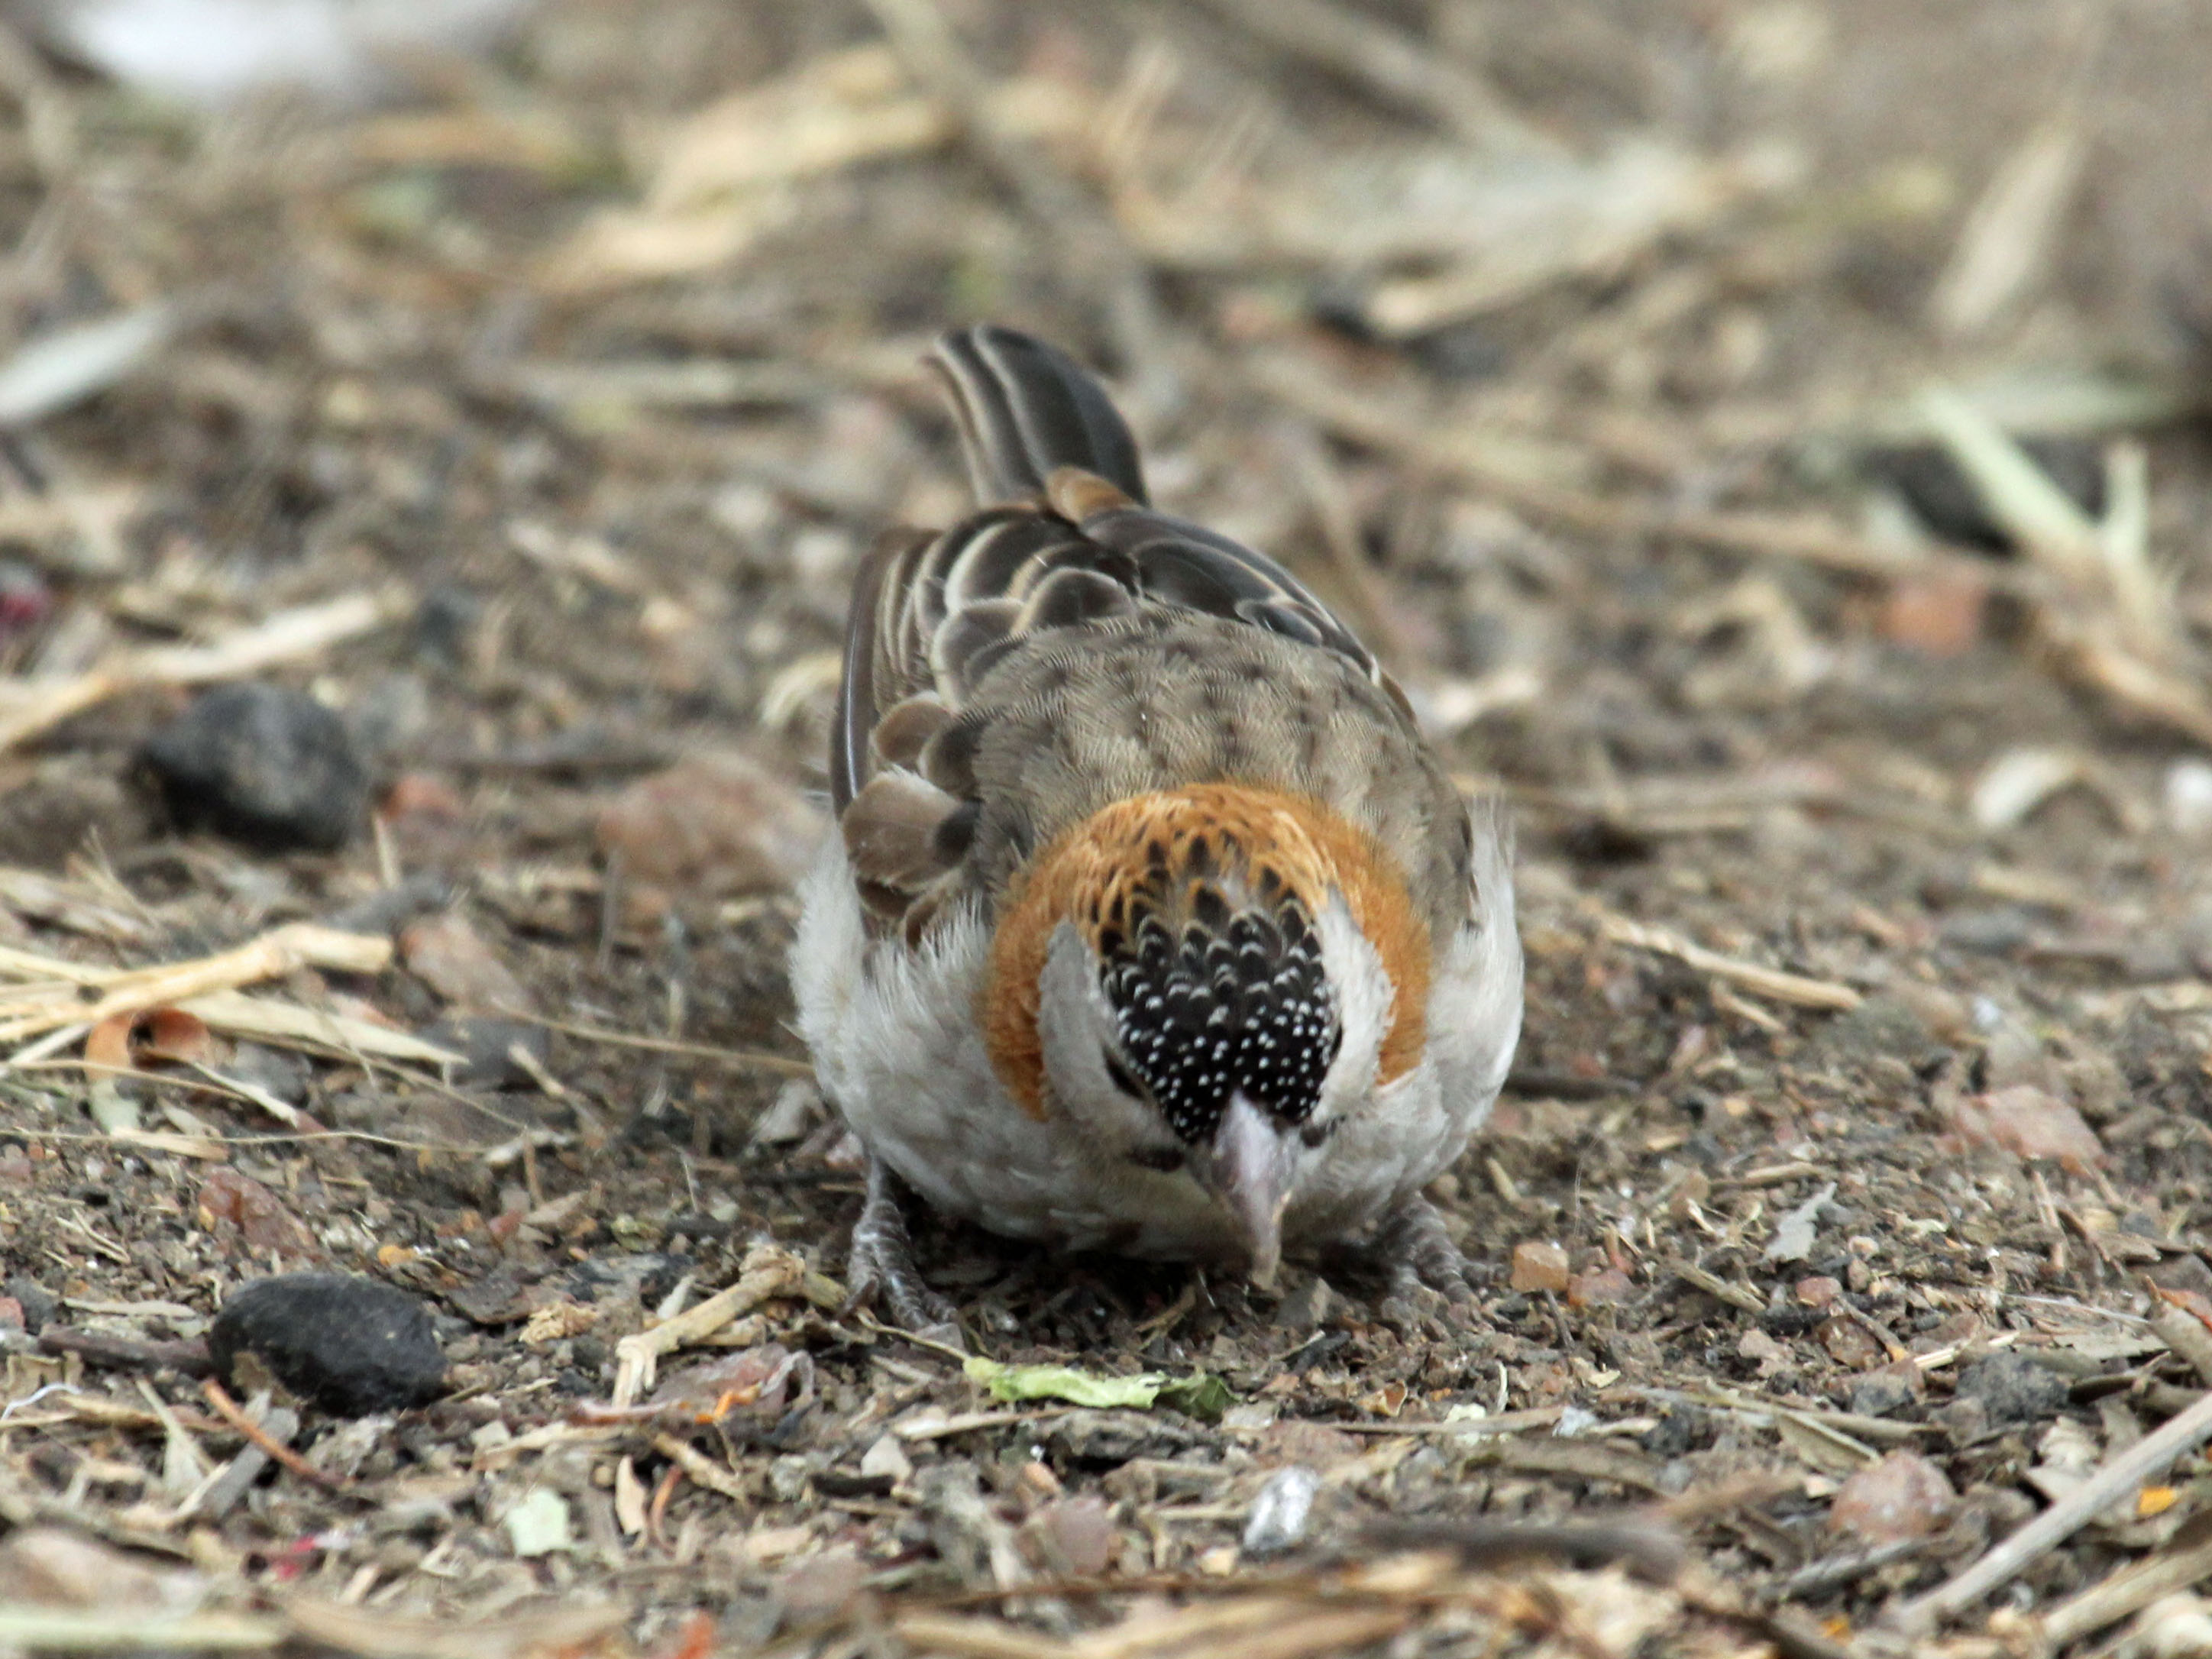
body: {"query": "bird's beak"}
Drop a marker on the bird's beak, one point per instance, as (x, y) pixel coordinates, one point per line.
(1249, 1171)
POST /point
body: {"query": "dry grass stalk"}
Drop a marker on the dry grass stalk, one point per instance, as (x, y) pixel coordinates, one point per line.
(1094, 252)
(1427, 448)
(2128, 1591)
(1412, 74)
(28, 1628)
(289, 1024)
(749, 1060)
(1798, 990)
(2111, 623)
(285, 637)
(129, 991)
(703, 1469)
(768, 1272)
(573, 1627)
(2118, 1476)
(2006, 244)
(1605, 215)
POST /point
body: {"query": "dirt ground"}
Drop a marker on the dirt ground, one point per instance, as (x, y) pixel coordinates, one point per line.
(1849, 1203)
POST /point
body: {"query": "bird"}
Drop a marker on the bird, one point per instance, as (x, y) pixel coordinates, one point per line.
(1151, 923)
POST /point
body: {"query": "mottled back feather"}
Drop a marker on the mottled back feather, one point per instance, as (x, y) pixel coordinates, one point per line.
(1104, 646)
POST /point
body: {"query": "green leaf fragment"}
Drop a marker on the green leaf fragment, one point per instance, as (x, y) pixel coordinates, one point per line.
(1199, 1396)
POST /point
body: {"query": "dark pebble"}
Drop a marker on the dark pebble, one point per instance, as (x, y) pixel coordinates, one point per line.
(39, 1304)
(1878, 1395)
(390, 908)
(1680, 1429)
(1942, 498)
(444, 623)
(1881, 1026)
(284, 1075)
(264, 765)
(2013, 1389)
(349, 1345)
(485, 1044)
(1990, 932)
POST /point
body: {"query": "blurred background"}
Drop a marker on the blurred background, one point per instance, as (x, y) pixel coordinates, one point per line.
(1765, 436)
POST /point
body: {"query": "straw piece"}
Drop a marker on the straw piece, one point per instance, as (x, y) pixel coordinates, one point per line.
(768, 1272)
(1796, 989)
(2119, 1476)
(284, 637)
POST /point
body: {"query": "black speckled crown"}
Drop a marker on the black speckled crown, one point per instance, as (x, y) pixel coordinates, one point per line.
(1240, 1002)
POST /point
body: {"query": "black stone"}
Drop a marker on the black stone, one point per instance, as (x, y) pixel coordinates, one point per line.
(1879, 1394)
(264, 765)
(1944, 500)
(2013, 1389)
(485, 1045)
(348, 1345)
(39, 1303)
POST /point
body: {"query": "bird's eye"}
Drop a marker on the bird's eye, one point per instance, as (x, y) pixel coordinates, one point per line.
(1166, 1159)
(1314, 1134)
(1121, 1079)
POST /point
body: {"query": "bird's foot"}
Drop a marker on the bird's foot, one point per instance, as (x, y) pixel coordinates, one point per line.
(881, 1269)
(1410, 1250)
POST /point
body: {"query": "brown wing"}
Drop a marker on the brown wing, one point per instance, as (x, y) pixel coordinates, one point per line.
(1066, 539)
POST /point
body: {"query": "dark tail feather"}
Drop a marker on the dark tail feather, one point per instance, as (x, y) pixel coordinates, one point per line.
(1025, 409)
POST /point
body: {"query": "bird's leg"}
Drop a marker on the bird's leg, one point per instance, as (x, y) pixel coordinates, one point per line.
(1410, 1248)
(881, 1266)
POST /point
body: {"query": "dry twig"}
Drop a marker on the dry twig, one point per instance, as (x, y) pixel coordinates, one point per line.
(1435, 449)
(285, 637)
(768, 1272)
(1412, 74)
(1094, 251)
(233, 1413)
(1798, 990)
(2118, 1475)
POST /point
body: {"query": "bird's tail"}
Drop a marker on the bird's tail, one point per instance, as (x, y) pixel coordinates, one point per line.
(1025, 411)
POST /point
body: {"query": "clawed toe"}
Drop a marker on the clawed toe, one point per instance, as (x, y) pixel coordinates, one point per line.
(881, 1270)
(1410, 1251)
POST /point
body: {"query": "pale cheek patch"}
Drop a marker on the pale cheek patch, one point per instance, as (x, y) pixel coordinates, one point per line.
(1365, 996)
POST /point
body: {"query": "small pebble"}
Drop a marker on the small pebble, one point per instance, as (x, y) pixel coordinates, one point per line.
(1081, 1533)
(448, 956)
(1903, 1496)
(712, 826)
(1603, 1287)
(2029, 1122)
(1850, 1344)
(1280, 1512)
(821, 1587)
(1889, 1389)
(39, 1305)
(1538, 1267)
(539, 1523)
(887, 1457)
(486, 1046)
(2013, 1389)
(2189, 797)
(264, 765)
(248, 1218)
(348, 1345)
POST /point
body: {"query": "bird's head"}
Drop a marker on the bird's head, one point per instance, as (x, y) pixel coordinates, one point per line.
(1206, 981)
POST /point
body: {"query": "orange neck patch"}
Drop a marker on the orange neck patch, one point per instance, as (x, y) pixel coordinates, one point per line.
(1094, 874)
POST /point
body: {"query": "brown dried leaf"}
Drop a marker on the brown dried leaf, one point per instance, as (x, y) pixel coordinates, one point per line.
(2029, 1122)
